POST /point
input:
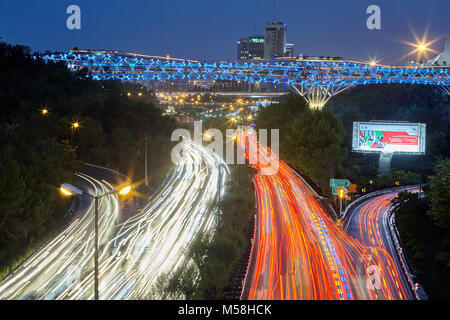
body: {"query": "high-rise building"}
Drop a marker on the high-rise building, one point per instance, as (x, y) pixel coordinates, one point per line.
(289, 50)
(251, 48)
(275, 40)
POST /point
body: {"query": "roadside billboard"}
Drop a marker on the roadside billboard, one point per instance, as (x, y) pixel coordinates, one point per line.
(389, 137)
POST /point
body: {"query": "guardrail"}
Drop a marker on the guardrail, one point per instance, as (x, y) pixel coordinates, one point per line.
(376, 193)
(244, 281)
(415, 287)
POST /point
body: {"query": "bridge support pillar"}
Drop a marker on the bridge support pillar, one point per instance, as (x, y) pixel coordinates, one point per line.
(384, 164)
(445, 90)
(318, 95)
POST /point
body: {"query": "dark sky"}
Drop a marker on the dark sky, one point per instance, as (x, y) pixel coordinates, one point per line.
(209, 29)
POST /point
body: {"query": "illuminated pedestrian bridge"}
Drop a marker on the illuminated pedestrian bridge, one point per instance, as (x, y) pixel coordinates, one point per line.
(317, 80)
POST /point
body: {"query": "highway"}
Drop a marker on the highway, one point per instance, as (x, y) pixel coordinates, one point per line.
(368, 222)
(298, 251)
(68, 257)
(135, 253)
(157, 240)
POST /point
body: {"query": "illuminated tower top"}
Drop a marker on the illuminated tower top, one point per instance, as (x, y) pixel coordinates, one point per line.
(443, 59)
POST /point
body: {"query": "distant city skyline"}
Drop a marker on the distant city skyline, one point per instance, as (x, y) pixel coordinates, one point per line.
(209, 30)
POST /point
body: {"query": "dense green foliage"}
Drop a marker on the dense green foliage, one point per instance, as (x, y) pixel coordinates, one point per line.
(40, 151)
(310, 140)
(208, 275)
(439, 193)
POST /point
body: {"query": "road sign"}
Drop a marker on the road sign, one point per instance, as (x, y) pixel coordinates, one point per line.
(335, 190)
(339, 183)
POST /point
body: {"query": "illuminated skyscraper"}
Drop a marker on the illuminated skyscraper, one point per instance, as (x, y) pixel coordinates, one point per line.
(251, 48)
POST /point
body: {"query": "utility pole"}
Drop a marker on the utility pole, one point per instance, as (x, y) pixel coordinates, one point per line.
(96, 249)
(70, 190)
(341, 195)
(146, 175)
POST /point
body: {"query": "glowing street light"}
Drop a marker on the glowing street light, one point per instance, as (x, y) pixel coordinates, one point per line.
(69, 190)
(44, 111)
(74, 126)
(422, 47)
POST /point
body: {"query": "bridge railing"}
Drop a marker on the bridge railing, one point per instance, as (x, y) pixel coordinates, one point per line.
(305, 72)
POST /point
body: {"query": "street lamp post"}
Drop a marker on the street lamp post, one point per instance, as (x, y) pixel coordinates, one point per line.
(341, 195)
(70, 190)
(74, 126)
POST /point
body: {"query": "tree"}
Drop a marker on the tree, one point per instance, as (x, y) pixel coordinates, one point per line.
(439, 193)
(313, 143)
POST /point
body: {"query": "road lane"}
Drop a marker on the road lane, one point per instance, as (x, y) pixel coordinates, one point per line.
(133, 254)
(299, 252)
(369, 223)
(69, 256)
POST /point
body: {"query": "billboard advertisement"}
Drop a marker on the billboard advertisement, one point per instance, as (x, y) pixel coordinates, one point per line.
(389, 137)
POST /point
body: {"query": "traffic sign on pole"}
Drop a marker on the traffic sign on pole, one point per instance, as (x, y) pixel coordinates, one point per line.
(335, 190)
(339, 183)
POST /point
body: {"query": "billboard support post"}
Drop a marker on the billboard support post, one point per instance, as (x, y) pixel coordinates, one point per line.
(384, 164)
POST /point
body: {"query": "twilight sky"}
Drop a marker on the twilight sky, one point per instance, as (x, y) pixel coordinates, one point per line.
(209, 29)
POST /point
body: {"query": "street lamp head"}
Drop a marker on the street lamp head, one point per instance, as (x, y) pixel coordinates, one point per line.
(75, 125)
(122, 189)
(44, 111)
(125, 190)
(69, 190)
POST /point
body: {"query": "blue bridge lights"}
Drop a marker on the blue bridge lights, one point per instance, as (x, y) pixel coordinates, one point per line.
(316, 80)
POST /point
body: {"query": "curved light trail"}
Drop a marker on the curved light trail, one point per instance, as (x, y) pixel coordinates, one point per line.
(299, 252)
(69, 256)
(369, 223)
(132, 254)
